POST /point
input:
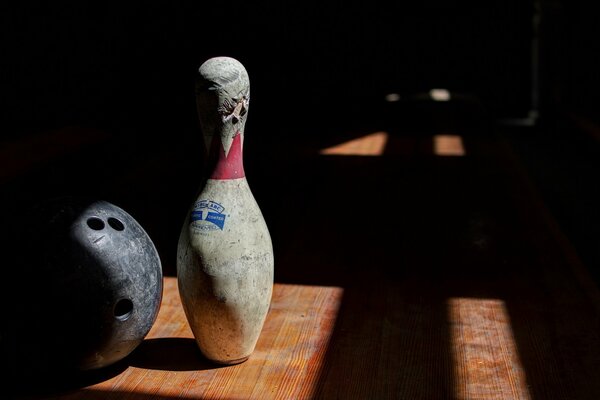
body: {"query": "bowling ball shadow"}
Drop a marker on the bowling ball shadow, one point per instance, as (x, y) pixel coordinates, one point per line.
(58, 382)
(167, 354)
(170, 354)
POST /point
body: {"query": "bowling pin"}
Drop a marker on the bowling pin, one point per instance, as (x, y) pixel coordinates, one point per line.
(225, 254)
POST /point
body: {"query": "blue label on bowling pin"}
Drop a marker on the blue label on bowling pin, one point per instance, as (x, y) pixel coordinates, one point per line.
(207, 215)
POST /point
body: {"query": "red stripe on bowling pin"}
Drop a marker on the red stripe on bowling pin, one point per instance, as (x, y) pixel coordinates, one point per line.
(230, 165)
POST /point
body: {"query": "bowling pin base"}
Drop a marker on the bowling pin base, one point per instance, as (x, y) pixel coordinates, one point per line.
(230, 362)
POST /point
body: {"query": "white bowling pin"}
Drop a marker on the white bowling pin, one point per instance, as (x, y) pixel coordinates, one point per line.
(225, 254)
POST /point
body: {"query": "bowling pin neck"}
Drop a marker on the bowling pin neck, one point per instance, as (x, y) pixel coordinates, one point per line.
(223, 96)
(226, 163)
(223, 132)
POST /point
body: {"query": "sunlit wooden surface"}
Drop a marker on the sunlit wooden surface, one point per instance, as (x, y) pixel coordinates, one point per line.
(287, 362)
(369, 145)
(407, 274)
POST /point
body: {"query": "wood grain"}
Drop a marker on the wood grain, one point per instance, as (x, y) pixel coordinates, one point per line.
(407, 275)
(286, 363)
(484, 351)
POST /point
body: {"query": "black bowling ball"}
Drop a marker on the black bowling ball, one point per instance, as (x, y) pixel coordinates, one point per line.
(87, 283)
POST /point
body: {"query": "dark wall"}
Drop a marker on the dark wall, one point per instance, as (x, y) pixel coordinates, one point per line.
(128, 70)
(130, 67)
(579, 77)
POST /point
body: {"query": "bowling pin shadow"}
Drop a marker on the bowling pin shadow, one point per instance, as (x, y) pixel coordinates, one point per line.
(170, 354)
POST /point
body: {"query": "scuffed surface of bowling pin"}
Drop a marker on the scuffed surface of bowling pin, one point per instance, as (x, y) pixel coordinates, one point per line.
(225, 255)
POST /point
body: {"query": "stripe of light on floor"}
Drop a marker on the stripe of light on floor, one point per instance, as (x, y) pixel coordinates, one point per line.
(486, 362)
(369, 145)
(374, 144)
(448, 145)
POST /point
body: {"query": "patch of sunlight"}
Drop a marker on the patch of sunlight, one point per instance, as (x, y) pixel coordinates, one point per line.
(448, 145)
(485, 356)
(287, 362)
(369, 145)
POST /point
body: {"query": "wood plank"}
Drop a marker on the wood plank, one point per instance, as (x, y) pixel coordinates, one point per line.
(484, 351)
(445, 262)
(286, 363)
(402, 276)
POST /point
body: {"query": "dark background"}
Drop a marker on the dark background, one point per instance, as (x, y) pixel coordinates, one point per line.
(129, 67)
(120, 80)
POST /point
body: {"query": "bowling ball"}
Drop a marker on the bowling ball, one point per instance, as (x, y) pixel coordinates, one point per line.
(88, 286)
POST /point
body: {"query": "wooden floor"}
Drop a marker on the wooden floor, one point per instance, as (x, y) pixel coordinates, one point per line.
(423, 268)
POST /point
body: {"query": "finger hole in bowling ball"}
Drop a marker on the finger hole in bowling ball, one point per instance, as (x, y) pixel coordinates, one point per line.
(116, 224)
(95, 223)
(123, 309)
